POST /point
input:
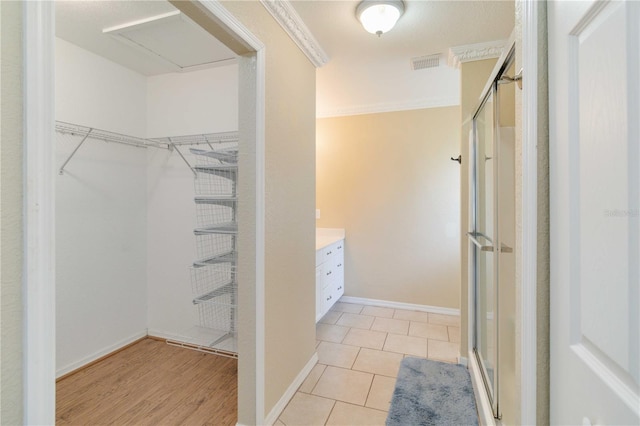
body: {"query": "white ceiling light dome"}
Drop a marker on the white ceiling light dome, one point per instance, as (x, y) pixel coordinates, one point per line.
(379, 16)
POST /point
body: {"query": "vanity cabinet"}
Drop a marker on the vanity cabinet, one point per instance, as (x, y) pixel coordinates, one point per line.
(329, 277)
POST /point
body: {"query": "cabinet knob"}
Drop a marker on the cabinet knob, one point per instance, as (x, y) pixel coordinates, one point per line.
(328, 253)
(340, 288)
(329, 273)
(339, 247)
(328, 298)
(339, 265)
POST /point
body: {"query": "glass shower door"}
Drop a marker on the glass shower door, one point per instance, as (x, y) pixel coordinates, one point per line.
(483, 238)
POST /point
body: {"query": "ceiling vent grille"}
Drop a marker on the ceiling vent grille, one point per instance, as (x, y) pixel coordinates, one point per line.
(424, 62)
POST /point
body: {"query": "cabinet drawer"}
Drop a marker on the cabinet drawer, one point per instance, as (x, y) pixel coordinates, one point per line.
(326, 253)
(328, 298)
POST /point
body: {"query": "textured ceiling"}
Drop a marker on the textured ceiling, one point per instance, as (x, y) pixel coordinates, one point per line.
(365, 73)
(369, 73)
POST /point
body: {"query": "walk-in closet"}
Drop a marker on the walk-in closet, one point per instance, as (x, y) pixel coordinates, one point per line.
(146, 196)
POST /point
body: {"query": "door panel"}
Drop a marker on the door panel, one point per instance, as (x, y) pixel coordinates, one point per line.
(484, 255)
(594, 97)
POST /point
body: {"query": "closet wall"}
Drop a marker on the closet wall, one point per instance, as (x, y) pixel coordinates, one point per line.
(179, 104)
(125, 215)
(100, 210)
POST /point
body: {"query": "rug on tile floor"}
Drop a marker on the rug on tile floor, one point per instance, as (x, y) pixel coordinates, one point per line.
(432, 393)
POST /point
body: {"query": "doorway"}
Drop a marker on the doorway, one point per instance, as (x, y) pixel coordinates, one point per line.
(40, 200)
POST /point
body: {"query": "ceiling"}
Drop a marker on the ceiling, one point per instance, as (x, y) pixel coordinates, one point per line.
(154, 45)
(365, 73)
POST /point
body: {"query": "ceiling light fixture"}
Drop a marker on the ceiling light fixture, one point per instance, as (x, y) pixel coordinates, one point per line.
(379, 16)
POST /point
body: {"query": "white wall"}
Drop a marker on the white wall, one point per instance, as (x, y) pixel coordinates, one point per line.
(100, 209)
(196, 102)
(179, 104)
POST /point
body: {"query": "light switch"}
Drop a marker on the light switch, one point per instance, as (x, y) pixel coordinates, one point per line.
(317, 213)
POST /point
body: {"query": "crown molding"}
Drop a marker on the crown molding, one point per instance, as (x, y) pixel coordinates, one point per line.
(475, 52)
(389, 107)
(285, 15)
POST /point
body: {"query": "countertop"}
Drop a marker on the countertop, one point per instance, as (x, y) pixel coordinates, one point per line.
(327, 236)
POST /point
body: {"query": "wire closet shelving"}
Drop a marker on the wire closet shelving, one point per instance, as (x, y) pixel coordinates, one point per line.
(213, 274)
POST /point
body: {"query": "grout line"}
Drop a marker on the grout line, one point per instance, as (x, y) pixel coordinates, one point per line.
(385, 341)
(330, 411)
(369, 391)
(356, 357)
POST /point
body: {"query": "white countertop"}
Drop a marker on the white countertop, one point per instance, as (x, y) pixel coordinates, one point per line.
(327, 236)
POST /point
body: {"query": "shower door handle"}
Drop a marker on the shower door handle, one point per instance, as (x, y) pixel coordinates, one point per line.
(505, 248)
(477, 243)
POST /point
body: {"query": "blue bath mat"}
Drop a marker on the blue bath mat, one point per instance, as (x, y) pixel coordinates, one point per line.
(432, 393)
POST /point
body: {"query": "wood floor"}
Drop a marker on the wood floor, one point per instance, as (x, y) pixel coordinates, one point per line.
(151, 383)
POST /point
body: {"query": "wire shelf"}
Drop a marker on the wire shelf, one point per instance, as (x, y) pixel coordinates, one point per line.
(214, 140)
(214, 246)
(213, 210)
(224, 154)
(216, 182)
(224, 258)
(213, 274)
(215, 293)
(103, 135)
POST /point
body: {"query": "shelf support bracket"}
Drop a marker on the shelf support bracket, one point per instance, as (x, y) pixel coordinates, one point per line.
(173, 146)
(61, 171)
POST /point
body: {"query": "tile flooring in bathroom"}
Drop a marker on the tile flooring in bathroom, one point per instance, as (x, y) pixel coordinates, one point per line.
(359, 352)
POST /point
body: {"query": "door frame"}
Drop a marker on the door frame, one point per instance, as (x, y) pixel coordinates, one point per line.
(528, 256)
(39, 209)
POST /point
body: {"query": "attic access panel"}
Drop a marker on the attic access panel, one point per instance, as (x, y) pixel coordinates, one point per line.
(174, 39)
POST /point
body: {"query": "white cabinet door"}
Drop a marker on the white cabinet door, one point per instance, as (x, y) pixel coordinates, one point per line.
(319, 304)
(338, 271)
(594, 100)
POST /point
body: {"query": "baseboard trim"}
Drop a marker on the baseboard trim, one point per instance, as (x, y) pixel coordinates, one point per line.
(290, 392)
(400, 305)
(485, 412)
(99, 356)
(463, 361)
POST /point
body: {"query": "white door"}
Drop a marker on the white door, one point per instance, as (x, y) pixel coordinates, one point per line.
(594, 100)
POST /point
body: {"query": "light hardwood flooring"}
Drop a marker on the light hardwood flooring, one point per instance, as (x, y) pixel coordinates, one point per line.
(151, 383)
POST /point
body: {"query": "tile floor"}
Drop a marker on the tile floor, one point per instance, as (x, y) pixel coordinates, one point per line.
(359, 351)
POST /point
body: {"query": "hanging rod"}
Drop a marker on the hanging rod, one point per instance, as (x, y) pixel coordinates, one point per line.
(164, 142)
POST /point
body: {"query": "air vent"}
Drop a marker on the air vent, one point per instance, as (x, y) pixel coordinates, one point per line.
(424, 62)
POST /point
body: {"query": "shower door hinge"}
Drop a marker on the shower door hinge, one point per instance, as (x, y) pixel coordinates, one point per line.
(505, 79)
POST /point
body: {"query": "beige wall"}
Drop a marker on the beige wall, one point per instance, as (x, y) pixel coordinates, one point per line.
(11, 247)
(290, 200)
(387, 179)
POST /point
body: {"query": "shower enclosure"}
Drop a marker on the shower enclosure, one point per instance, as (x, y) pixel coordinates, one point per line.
(492, 235)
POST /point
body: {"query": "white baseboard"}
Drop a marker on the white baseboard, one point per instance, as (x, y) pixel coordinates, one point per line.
(485, 412)
(159, 334)
(400, 305)
(99, 354)
(290, 392)
(463, 361)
